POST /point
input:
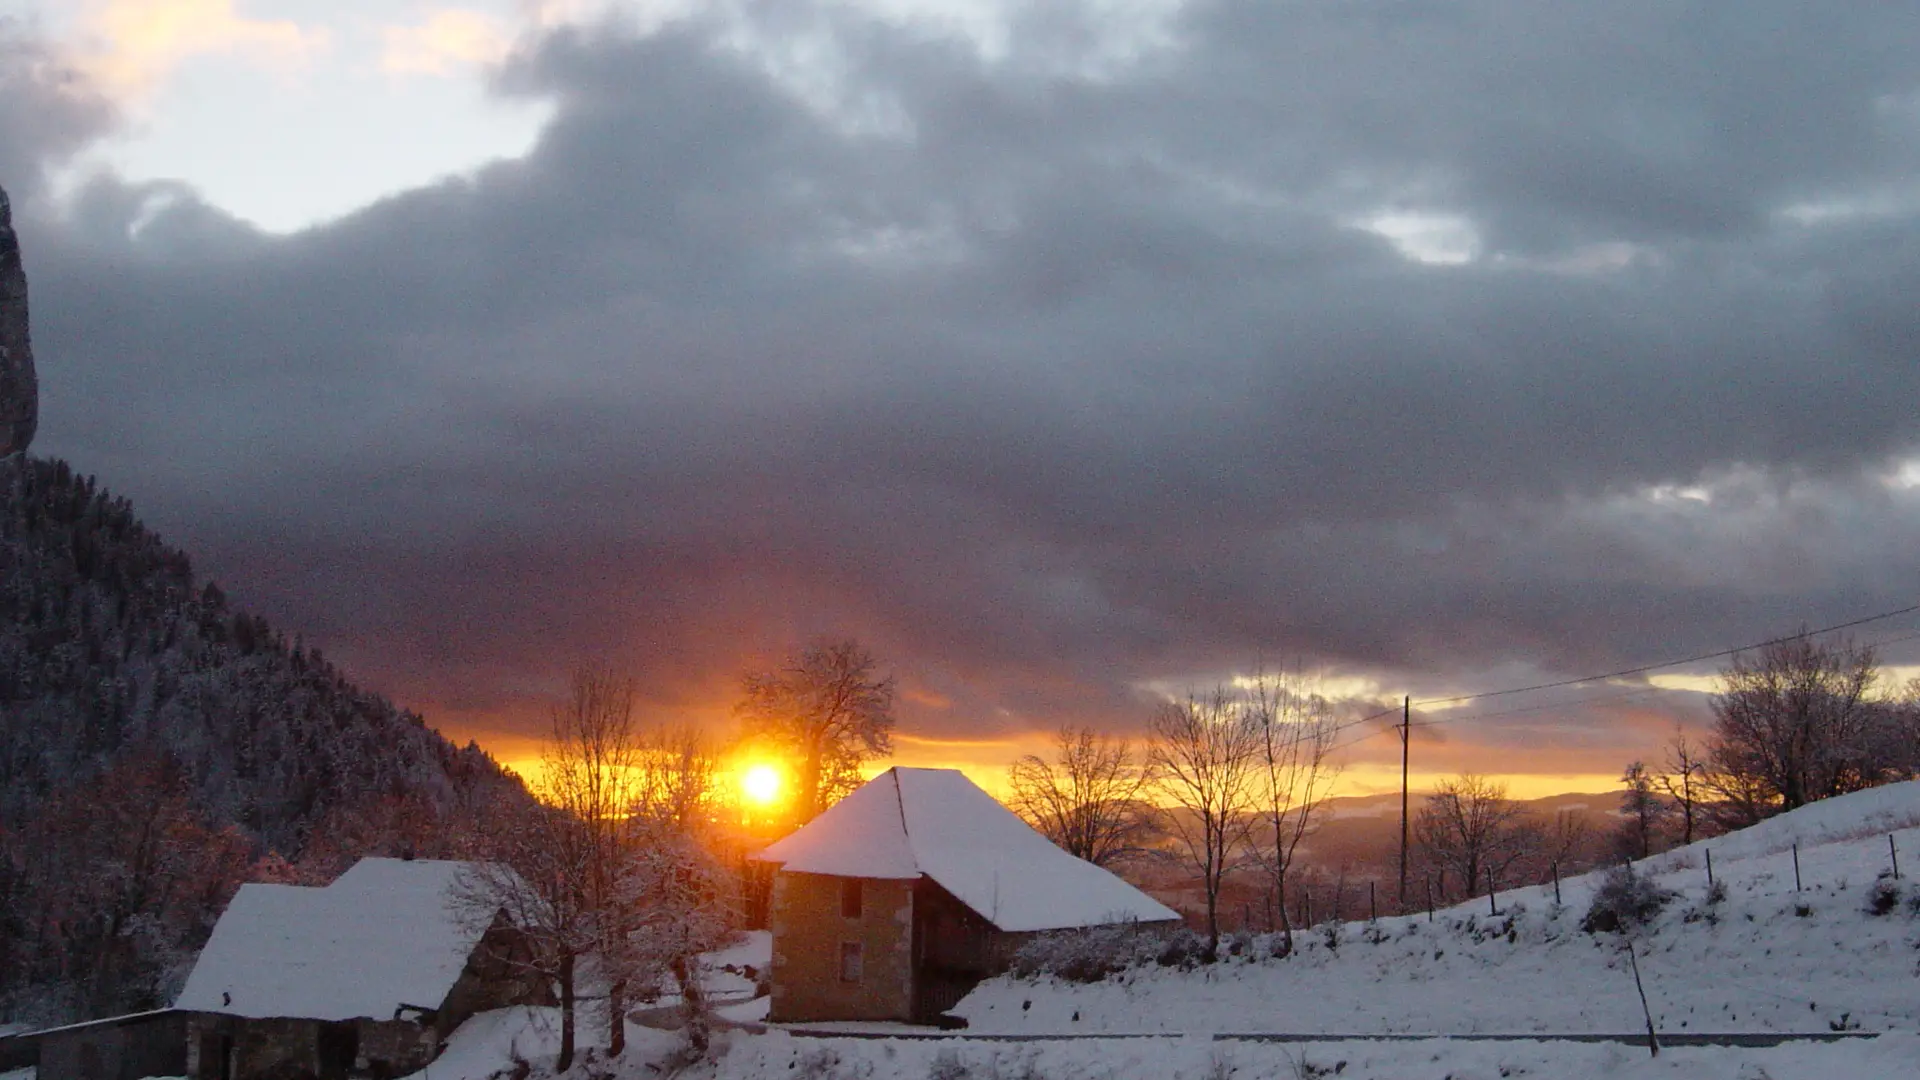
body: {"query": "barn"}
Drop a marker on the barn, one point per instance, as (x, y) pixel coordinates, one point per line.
(365, 977)
(900, 898)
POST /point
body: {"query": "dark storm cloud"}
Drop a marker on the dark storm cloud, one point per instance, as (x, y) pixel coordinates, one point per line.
(46, 110)
(1046, 380)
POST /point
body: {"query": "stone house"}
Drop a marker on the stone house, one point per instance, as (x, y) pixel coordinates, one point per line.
(365, 977)
(900, 898)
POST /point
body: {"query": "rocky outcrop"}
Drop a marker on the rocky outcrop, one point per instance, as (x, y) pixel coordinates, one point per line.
(19, 390)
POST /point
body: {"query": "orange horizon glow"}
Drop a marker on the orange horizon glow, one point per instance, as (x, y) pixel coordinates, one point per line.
(985, 761)
(986, 764)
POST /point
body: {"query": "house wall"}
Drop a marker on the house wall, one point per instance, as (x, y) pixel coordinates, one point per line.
(498, 974)
(954, 949)
(286, 1048)
(808, 932)
(122, 1048)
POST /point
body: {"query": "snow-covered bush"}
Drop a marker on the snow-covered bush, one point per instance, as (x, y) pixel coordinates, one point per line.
(1884, 896)
(1624, 900)
(1092, 954)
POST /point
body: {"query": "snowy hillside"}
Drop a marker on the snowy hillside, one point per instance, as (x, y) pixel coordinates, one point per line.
(1840, 957)
(1764, 959)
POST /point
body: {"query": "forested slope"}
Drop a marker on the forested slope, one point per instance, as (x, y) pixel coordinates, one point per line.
(158, 746)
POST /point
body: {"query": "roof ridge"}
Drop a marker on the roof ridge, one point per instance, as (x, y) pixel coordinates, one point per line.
(900, 803)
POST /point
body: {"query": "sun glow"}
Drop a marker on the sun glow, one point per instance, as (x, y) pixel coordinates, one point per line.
(761, 785)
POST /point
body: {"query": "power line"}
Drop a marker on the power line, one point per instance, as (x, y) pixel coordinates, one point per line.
(1635, 693)
(1671, 663)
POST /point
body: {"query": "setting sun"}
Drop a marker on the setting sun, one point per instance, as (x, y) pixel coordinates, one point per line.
(761, 784)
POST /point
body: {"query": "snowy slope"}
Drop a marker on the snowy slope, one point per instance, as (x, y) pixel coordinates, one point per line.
(1765, 959)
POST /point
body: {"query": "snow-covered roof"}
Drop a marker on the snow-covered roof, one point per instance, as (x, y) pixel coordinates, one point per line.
(908, 822)
(386, 933)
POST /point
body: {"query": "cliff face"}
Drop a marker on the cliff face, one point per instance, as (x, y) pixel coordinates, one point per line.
(19, 391)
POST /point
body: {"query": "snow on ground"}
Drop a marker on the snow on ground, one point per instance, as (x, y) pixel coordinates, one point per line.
(1765, 959)
(494, 1044)
(783, 1057)
(779, 1055)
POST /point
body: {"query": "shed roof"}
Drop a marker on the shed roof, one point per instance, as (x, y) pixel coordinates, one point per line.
(908, 822)
(385, 934)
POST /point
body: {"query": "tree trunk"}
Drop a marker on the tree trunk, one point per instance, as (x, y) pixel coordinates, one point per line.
(616, 1017)
(1286, 920)
(809, 785)
(693, 1002)
(566, 1015)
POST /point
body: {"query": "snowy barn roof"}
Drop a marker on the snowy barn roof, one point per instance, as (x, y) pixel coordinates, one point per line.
(908, 822)
(385, 934)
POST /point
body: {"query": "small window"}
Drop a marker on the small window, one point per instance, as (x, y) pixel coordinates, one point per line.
(850, 961)
(850, 898)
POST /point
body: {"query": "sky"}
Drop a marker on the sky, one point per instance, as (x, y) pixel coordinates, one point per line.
(1072, 355)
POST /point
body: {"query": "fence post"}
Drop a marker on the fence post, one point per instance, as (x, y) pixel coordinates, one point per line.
(1306, 907)
(1556, 881)
(1894, 853)
(1373, 906)
(1796, 866)
(1429, 899)
(1493, 895)
(1709, 868)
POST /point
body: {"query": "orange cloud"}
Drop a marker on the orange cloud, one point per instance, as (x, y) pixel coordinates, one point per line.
(449, 41)
(132, 45)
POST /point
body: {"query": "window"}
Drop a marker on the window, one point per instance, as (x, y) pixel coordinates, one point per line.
(850, 961)
(850, 898)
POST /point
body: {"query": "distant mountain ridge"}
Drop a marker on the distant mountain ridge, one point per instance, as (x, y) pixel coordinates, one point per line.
(124, 680)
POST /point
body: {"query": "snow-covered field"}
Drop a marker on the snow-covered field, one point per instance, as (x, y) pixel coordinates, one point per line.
(1766, 958)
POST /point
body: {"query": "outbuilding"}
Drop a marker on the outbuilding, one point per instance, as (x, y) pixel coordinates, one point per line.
(900, 898)
(365, 977)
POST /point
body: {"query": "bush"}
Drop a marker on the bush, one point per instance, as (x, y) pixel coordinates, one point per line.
(948, 1066)
(1624, 901)
(1884, 896)
(1097, 952)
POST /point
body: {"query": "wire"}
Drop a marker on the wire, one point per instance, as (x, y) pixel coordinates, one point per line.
(1646, 691)
(1671, 663)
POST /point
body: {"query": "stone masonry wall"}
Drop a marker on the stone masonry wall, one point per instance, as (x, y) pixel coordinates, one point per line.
(808, 932)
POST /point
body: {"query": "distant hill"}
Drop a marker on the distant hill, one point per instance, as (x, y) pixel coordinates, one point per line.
(158, 746)
(1358, 841)
(1363, 832)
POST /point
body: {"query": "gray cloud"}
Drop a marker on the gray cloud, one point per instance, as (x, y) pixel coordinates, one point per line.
(1052, 382)
(47, 109)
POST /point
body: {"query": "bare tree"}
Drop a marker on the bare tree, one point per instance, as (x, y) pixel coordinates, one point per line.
(530, 870)
(1469, 826)
(554, 870)
(1733, 800)
(1568, 842)
(1642, 812)
(1684, 766)
(1296, 730)
(831, 708)
(671, 901)
(1087, 799)
(590, 770)
(1794, 717)
(1202, 758)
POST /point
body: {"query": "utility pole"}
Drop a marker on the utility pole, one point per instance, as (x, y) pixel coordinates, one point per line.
(1406, 724)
